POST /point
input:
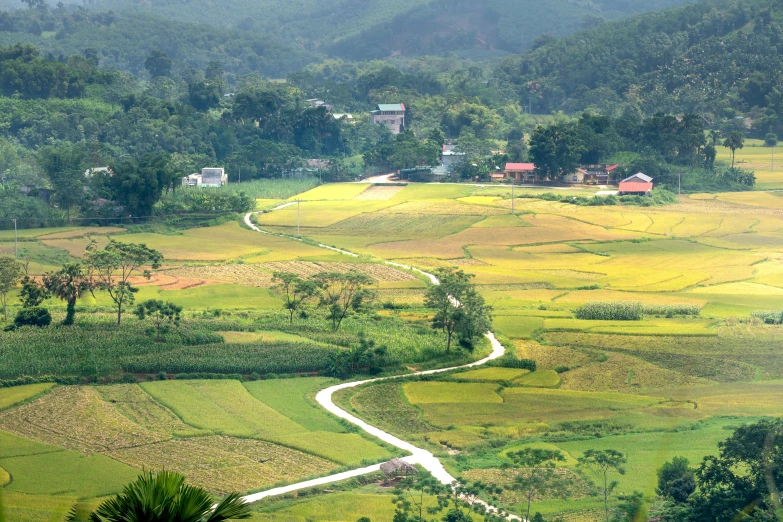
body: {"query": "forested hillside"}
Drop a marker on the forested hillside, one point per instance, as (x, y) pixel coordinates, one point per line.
(124, 40)
(483, 25)
(718, 58)
(362, 29)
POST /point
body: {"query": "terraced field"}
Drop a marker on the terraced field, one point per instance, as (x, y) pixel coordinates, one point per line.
(653, 388)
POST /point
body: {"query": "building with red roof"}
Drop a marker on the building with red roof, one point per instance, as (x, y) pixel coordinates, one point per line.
(525, 172)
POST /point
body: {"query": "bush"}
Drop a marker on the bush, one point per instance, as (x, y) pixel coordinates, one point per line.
(35, 316)
(562, 369)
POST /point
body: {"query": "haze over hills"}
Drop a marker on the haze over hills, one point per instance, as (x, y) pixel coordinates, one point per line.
(365, 29)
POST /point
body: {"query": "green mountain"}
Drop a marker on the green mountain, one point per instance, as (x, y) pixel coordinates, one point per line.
(718, 58)
(124, 40)
(363, 29)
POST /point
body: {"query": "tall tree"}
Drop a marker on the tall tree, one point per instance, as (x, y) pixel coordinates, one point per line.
(138, 185)
(68, 284)
(342, 293)
(735, 141)
(295, 291)
(64, 165)
(158, 64)
(10, 272)
(163, 496)
(112, 267)
(458, 307)
(537, 474)
(555, 150)
(603, 463)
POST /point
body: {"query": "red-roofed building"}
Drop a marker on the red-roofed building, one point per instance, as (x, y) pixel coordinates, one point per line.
(525, 172)
(639, 183)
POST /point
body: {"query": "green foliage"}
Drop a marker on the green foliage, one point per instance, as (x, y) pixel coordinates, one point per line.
(163, 496)
(675, 480)
(602, 464)
(459, 308)
(672, 48)
(10, 272)
(111, 40)
(68, 284)
(743, 479)
(33, 316)
(162, 314)
(342, 293)
(295, 291)
(112, 267)
(537, 474)
(32, 294)
(556, 150)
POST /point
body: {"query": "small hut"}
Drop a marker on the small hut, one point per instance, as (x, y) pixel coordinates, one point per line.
(396, 467)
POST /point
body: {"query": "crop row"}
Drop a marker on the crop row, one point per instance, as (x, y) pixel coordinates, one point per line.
(627, 311)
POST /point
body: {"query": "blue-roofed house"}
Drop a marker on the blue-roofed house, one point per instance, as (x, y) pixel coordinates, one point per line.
(390, 114)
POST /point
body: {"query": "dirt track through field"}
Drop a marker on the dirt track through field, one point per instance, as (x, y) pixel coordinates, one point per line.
(417, 455)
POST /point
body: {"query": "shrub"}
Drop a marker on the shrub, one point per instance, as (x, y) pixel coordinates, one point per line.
(562, 369)
(35, 316)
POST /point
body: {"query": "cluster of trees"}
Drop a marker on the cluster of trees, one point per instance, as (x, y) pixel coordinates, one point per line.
(108, 269)
(741, 482)
(658, 145)
(339, 294)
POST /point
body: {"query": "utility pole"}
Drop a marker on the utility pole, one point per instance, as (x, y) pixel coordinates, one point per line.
(298, 201)
(16, 242)
(512, 196)
(530, 105)
(679, 186)
(773, 158)
(239, 178)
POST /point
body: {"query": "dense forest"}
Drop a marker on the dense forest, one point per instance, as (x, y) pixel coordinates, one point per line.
(123, 41)
(363, 29)
(717, 58)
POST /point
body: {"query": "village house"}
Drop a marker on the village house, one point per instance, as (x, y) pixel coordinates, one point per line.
(209, 177)
(638, 184)
(390, 114)
(345, 117)
(599, 174)
(524, 172)
(576, 177)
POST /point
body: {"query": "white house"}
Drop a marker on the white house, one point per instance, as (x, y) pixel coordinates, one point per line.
(209, 177)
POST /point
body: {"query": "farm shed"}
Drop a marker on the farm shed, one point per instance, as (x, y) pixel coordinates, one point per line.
(396, 467)
(525, 172)
(639, 183)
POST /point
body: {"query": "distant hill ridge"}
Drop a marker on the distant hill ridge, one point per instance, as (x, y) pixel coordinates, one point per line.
(365, 29)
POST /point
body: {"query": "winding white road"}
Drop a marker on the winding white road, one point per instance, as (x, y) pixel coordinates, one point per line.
(417, 455)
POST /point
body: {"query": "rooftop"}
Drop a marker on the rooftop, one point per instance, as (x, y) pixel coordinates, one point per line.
(640, 177)
(520, 166)
(389, 107)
